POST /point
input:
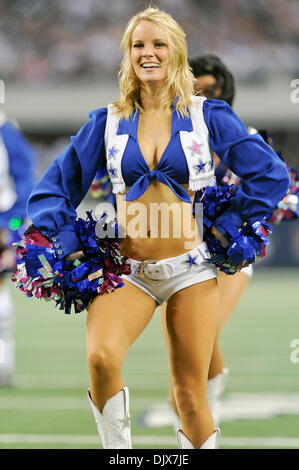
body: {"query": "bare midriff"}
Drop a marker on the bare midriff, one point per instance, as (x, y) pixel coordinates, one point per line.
(158, 225)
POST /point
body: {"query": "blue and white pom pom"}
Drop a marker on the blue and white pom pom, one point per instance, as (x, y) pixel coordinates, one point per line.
(41, 274)
(245, 245)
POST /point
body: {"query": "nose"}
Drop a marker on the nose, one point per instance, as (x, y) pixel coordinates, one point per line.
(148, 51)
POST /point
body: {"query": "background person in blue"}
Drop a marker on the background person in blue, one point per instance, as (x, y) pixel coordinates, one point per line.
(17, 162)
(156, 149)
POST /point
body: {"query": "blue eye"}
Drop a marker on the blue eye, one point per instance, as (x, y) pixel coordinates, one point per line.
(159, 44)
(138, 44)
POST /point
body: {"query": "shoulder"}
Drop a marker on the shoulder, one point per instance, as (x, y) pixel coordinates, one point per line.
(98, 114)
(92, 130)
(220, 112)
(209, 105)
(97, 121)
(216, 105)
(222, 122)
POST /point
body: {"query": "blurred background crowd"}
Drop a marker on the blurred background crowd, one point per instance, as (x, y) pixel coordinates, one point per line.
(60, 59)
(74, 39)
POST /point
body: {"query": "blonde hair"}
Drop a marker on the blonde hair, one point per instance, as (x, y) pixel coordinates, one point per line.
(180, 80)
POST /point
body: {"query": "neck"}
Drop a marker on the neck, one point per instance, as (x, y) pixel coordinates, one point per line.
(150, 96)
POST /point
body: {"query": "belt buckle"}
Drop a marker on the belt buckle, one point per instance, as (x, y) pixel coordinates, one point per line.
(142, 273)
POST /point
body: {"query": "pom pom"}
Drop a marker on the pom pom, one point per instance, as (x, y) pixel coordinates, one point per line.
(41, 274)
(245, 247)
(216, 199)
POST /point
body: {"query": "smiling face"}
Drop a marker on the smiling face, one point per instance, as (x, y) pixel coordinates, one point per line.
(150, 53)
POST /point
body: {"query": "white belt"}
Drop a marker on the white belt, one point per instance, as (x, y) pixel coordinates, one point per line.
(152, 270)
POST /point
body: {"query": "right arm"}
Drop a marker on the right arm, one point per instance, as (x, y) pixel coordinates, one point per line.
(53, 201)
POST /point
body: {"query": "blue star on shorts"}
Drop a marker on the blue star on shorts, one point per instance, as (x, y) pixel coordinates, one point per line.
(191, 261)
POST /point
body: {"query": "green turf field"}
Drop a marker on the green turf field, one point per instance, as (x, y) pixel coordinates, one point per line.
(48, 408)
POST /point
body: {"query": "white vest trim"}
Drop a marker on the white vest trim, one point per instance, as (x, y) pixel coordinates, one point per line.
(195, 145)
(196, 148)
(115, 146)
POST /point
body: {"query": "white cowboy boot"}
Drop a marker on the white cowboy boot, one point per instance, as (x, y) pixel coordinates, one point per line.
(114, 422)
(216, 387)
(211, 443)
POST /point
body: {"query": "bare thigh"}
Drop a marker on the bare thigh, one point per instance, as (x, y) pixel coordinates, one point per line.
(115, 320)
(192, 320)
(231, 289)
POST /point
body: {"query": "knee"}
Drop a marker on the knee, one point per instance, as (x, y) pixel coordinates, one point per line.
(105, 361)
(190, 399)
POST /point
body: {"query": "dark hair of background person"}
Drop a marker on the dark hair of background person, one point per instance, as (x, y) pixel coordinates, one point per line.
(224, 88)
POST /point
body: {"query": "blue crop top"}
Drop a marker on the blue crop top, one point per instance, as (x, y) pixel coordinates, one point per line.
(172, 162)
(172, 168)
(53, 202)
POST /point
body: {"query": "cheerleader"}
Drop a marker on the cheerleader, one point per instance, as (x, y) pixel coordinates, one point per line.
(154, 142)
(16, 183)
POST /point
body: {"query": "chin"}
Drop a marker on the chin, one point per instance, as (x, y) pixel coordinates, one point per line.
(153, 80)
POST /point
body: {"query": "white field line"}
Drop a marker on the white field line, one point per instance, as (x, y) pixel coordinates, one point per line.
(142, 382)
(146, 382)
(234, 405)
(235, 442)
(64, 403)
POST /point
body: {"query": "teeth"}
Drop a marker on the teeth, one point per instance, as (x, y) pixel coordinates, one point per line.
(145, 66)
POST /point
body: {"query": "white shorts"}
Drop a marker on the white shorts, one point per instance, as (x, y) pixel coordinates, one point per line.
(161, 279)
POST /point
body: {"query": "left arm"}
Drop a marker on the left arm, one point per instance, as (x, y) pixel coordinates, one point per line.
(265, 179)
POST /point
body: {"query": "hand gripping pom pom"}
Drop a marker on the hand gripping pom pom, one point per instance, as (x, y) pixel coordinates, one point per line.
(41, 274)
(244, 248)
